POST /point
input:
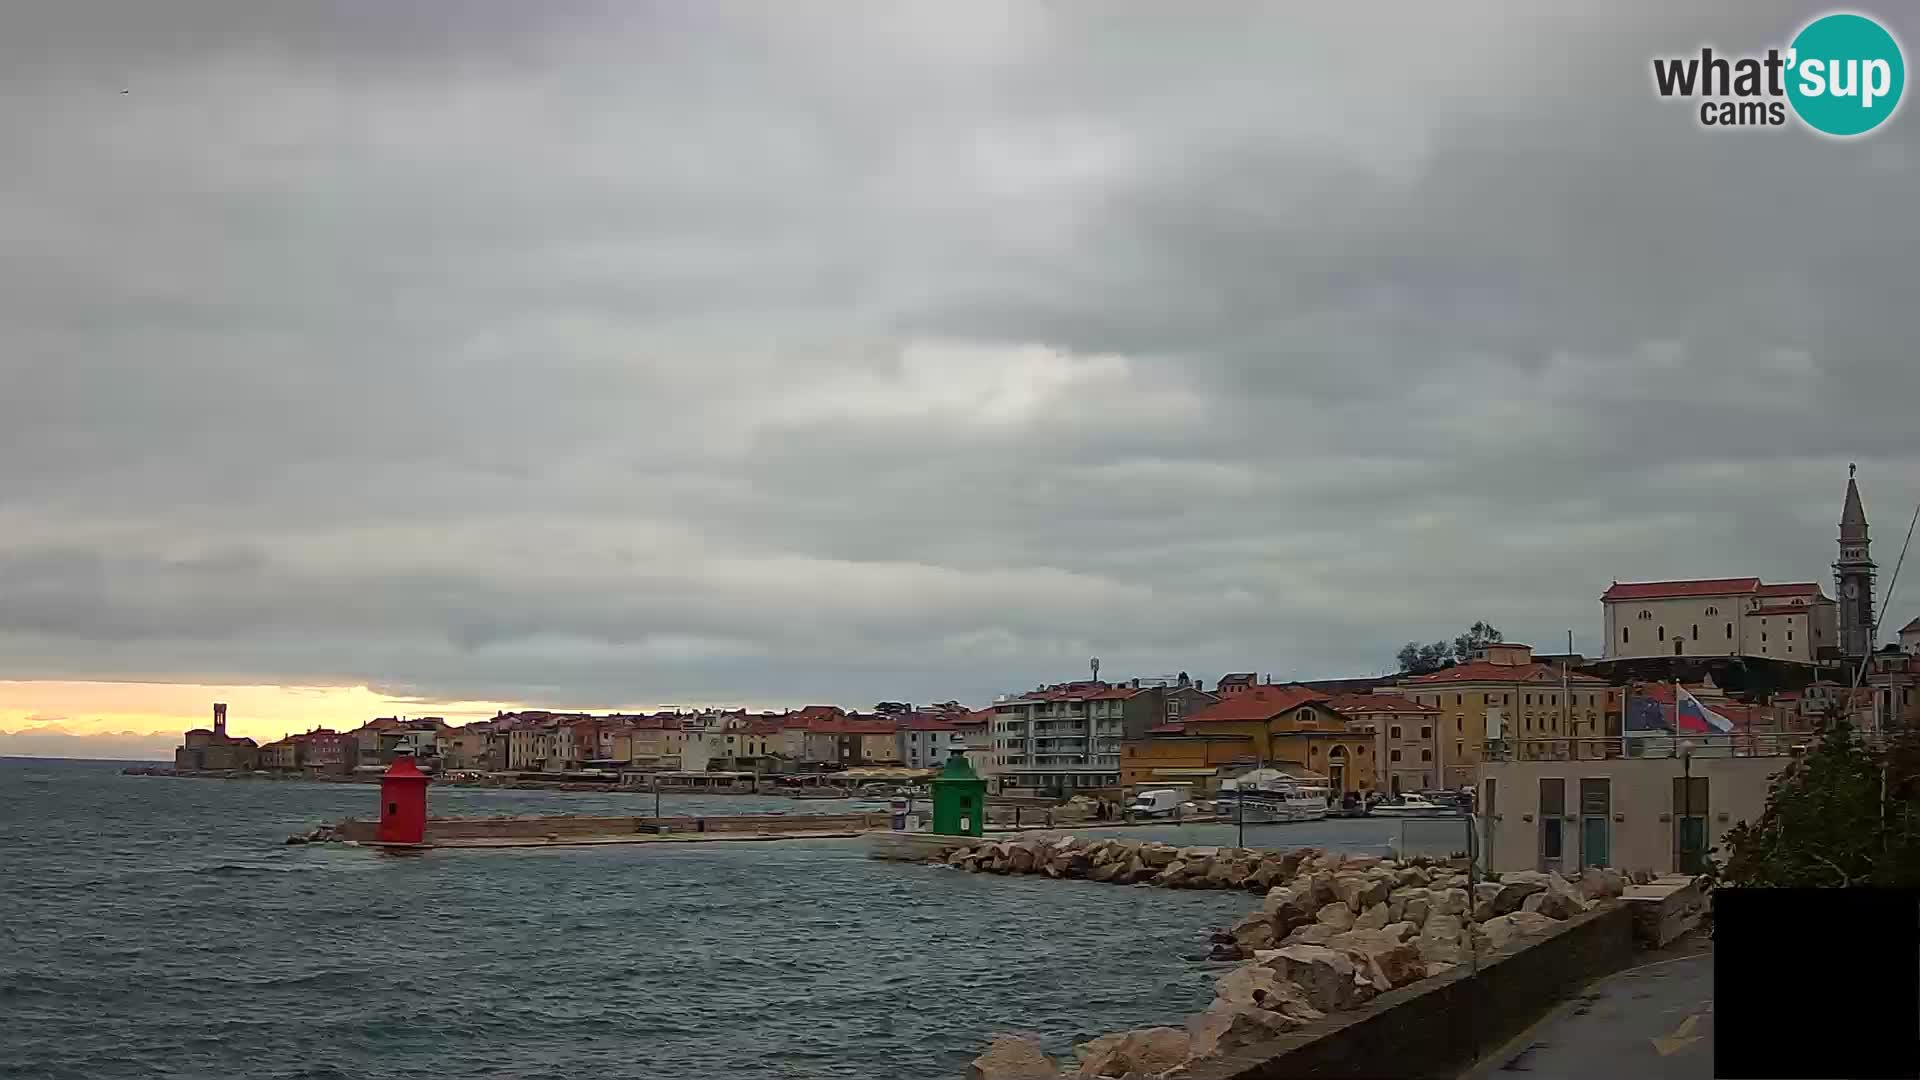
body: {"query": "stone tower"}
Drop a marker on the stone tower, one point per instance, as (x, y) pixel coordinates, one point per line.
(1853, 576)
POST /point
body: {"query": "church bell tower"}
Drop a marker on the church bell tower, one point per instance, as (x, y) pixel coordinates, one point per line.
(1853, 576)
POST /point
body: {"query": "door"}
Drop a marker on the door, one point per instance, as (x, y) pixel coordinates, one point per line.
(1596, 812)
(1690, 809)
(1593, 842)
(1553, 808)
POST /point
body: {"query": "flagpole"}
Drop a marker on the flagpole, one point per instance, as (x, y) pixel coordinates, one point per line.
(1626, 702)
(1566, 697)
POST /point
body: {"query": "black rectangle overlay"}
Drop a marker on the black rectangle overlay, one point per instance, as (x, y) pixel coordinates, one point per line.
(1816, 983)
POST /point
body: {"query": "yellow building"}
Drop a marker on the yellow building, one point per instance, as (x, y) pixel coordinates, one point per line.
(656, 737)
(1168, 754)
(1292, 725)
(1504, 694)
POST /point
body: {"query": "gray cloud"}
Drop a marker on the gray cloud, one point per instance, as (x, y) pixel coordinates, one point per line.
(626, 353)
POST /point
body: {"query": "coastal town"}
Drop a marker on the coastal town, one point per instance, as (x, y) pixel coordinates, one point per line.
(1655, 746)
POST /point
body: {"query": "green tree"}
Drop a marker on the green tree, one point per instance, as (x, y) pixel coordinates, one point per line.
(1418, 659)
(1847, 813)
(1478, 636)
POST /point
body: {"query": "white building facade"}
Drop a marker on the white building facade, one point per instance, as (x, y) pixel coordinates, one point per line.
(1719, 617)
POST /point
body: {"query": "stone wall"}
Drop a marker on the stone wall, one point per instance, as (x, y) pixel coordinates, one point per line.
(1334, 934)
(1437, 1027)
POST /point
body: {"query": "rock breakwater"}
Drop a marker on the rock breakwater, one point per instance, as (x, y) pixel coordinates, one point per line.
(1332, 932)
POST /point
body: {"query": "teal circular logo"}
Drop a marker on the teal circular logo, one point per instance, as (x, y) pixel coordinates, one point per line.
(1845, 74)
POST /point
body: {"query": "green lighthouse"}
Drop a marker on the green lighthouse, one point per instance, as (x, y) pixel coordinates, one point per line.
(959, 799)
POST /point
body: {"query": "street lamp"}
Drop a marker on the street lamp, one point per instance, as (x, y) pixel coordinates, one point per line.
(1686, 805)
(1240, 814)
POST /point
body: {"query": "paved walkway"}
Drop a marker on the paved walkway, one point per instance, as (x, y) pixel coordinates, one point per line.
(1653, 1022)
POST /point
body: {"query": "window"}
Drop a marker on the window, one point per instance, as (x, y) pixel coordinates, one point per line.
(1456, 699)
(1789, 635)
(1426, 733)
(1644, 615)
(1662, 635)
(1623, 635)
(1393, 755)
(1426, 755)
(1460, 751)
(1393, 732)
(1713, 611)
(1729, 631)
(1696, 631)
(1763, 635)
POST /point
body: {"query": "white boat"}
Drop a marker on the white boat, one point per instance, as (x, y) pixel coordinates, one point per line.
(1271, 803)
(1411, 806)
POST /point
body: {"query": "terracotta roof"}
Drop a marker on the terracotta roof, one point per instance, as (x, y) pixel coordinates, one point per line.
(1655, 590)
(1262, 702)
(1167, 729)
(837, 725)
(1794, 588)
(1074, 691)
(1363, 704)
(1485, 671)
(927, 723)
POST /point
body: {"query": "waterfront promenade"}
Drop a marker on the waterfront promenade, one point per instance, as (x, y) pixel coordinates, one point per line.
(1652, 1021)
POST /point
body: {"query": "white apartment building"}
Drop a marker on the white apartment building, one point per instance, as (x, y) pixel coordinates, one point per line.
(1062, 737)
(1719, 617)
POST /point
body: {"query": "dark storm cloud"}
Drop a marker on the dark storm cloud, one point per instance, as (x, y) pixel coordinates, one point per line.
(634, 353)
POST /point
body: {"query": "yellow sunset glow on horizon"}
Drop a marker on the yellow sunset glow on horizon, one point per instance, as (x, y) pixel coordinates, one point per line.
(262, 713)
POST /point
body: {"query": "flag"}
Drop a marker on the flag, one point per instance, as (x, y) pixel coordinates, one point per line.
(1695, 717)
(1646, 716)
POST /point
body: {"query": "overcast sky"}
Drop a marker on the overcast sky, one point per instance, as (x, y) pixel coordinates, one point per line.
(640, 353)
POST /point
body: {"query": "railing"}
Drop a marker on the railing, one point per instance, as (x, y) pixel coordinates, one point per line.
(1740, 744)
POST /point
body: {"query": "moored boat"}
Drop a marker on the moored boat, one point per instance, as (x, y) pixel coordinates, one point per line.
(1412, 806)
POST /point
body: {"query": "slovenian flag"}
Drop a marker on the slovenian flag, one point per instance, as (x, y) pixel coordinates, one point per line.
(1696, 717)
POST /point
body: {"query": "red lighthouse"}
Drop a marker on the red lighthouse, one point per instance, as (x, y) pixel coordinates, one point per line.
(403, 803)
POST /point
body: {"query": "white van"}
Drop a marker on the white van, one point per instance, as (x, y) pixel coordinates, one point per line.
(1159, 802)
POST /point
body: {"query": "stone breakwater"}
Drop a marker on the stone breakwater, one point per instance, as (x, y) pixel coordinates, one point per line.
(1332, 932)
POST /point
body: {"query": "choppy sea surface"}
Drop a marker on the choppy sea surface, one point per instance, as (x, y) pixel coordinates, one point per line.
(160, 927)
